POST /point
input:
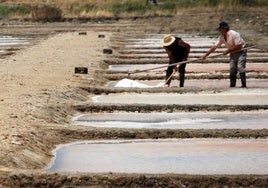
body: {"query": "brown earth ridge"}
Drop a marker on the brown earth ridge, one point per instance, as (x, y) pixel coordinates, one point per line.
(40, 93)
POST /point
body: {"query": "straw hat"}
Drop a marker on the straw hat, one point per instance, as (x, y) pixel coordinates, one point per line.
(168, 40)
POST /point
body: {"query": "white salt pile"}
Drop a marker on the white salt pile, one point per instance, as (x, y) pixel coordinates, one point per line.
(130, 83)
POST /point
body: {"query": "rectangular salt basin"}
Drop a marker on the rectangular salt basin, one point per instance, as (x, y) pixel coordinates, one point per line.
(159, 156)
(190, 67)
(182, 120)
(235, 96)
(9, 40)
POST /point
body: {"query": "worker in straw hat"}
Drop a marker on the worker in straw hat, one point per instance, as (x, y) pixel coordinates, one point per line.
(177, 51)
(234, 43)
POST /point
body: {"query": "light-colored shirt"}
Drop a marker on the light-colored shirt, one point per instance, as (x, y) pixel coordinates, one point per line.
(233, 39)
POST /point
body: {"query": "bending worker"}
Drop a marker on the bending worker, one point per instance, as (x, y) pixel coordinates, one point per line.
(177, 51)
(234, 43)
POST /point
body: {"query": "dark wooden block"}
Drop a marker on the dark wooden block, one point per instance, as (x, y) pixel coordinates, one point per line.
(80, 70)
(107, 51)
(82, 33)
(101, 36)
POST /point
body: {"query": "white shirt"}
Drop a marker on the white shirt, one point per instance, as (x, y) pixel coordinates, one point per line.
(233, 39)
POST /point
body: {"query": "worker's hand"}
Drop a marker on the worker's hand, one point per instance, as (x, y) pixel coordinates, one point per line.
(175, 69)
(226, 52)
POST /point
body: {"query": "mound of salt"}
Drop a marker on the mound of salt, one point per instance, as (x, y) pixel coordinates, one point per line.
(130, 83)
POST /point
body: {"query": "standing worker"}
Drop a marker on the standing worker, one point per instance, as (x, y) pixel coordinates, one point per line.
(234, 43)
(177, 51)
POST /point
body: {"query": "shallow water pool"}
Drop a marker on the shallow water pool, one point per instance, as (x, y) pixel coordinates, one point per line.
(182, 120)
(186, 156)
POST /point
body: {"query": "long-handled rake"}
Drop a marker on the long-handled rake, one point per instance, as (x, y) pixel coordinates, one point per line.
(182, 62)
(169, 65)
(177, 64)
(167, 80)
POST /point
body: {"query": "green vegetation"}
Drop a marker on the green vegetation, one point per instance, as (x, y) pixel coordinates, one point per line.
(216, 3)
(6, 11)
(127, 6)
(76, 8)
(88, 7)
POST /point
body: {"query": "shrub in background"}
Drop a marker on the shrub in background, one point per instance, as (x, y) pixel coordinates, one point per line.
(46, 13)
(119, 7)
(53, 10)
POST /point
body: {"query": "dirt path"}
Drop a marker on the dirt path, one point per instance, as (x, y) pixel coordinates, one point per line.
(42, 76)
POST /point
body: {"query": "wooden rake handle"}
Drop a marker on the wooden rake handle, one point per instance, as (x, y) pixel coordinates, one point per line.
(182, 62)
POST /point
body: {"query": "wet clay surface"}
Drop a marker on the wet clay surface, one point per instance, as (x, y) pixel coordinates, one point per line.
(40, 93)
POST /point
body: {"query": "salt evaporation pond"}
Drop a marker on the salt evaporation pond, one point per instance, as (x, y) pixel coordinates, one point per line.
(235, 96)
(158, 156)
(182, 120)
(9, 42)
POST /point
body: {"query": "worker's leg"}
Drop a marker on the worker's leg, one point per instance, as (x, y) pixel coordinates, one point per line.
(182, 74)
(233, 69)
(242, 67)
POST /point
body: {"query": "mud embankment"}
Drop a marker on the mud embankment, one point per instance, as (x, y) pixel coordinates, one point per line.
(40, 179)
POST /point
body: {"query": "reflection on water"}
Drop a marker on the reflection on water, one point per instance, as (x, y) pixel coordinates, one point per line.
(187, 156)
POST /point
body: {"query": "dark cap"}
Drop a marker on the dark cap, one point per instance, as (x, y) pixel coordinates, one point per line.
(223, 25)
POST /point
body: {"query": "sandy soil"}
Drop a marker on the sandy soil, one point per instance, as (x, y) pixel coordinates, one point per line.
(38, 89)
(40, 77)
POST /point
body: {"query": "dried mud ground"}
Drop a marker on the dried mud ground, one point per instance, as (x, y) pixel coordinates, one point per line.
(39, 89)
